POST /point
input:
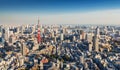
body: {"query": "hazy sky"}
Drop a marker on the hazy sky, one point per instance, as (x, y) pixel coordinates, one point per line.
(60, 11)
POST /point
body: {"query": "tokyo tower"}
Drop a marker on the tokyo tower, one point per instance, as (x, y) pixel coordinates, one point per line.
(38, 33)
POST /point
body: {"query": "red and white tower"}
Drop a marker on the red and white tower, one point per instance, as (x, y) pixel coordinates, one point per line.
(38, 33)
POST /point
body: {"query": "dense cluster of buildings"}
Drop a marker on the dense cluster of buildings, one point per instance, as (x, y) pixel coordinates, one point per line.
(59, 47)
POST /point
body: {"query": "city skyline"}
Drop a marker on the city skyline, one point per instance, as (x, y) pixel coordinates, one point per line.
(60, 12)
(59, 35)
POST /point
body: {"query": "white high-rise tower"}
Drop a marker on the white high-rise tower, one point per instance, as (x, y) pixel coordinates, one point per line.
(96, 40)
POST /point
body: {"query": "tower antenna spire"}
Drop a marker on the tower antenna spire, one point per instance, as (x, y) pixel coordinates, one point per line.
(38, 20)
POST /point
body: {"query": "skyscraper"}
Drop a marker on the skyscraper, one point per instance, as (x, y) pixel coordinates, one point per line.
(61, 37)
(24, 49)
(1, 29)
(96, 40)
(55, 39)
(6, 33)
(113, 30)
(74, 38)
(53, 34)
(82, 34)
(105, 30)
(89, 39)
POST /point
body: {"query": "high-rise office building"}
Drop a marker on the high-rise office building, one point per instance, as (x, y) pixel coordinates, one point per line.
(82, 34)
(82, 58)
(33, 29)
(74, 38)
(90, 46)
(17, 30)
(20, 29)
(1, 28)
(10, 39)
(24, 49)
(113, 30)
(1, 31)
(61, 37)
(64, 30)
(53, 34)
(105, 30)
(55, 39)
(89, 38)
(118, 32)
(6, 33)
(21, 61)
(96, 40)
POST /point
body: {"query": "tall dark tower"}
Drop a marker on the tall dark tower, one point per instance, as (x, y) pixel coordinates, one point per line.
(38, 33)
(96, 40)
